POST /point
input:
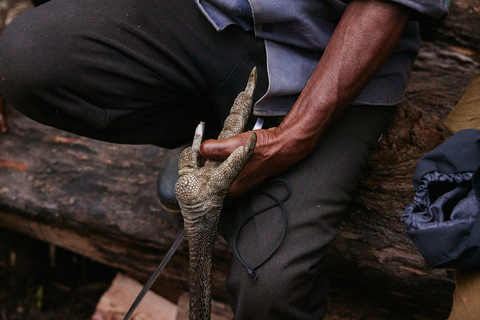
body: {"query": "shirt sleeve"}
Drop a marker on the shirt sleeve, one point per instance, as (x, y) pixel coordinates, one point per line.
(422, 9)
(426, 9)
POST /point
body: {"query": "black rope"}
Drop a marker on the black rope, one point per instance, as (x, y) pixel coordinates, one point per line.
(277, 202)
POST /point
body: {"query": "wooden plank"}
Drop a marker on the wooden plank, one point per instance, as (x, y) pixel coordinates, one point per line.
(116, 301)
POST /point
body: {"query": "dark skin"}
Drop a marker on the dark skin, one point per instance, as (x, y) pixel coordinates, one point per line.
(365, 37)
(3, 118)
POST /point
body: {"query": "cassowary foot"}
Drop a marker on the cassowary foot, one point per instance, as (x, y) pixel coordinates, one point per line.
(200, 193)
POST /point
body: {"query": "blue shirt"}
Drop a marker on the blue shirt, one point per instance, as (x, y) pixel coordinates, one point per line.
(296, 33)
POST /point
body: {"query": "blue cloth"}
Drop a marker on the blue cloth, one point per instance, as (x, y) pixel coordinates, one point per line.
(444, 220)
(297, 32)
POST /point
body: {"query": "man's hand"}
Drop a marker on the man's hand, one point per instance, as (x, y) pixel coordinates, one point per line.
(365, 37)
(275, 152)
(3, 118)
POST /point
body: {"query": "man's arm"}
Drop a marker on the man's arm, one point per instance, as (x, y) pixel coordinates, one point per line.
(365, 37)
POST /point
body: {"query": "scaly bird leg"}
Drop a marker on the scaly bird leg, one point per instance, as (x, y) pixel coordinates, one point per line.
(200, 193)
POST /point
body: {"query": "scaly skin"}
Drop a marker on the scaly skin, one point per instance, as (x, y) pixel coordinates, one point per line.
(200, 193)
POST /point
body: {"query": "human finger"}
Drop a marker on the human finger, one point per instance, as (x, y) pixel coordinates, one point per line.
(221, 149)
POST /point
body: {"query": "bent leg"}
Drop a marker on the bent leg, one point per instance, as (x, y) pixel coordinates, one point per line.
(129, 71)
(293, 284)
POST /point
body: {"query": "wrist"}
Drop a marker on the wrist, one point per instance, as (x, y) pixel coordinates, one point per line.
(296, 139)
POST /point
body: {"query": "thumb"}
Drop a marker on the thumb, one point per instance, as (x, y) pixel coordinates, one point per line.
(221, 149)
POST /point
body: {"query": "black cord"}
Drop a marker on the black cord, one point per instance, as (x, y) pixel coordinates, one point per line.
(277, 202)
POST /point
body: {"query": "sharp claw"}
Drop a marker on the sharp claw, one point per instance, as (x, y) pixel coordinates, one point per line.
(251, 143)
(252, 81)
(197, 139)
(236, 121)
(189, 160)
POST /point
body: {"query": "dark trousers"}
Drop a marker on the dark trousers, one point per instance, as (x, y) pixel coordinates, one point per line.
(147, 71)
(126, 71)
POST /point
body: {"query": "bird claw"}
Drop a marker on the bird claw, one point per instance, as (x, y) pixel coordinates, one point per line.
(238, 117)
(189, 160)
(198, 184)
(200, 193)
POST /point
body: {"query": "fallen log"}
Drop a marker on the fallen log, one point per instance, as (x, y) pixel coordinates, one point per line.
(98, 199)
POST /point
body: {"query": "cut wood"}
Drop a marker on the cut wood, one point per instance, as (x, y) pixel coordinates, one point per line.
(115, 302)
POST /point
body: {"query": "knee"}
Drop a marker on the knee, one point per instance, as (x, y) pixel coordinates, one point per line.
(27, 59)
(18, 48)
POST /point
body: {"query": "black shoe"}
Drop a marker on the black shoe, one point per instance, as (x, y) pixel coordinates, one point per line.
(167, 178)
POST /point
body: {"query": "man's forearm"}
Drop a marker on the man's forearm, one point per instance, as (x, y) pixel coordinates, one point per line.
(364, 39)
(362, 42)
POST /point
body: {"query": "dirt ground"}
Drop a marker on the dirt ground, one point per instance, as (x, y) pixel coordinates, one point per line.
(41, 282)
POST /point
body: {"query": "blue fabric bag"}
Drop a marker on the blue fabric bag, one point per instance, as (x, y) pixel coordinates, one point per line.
(444, 220)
